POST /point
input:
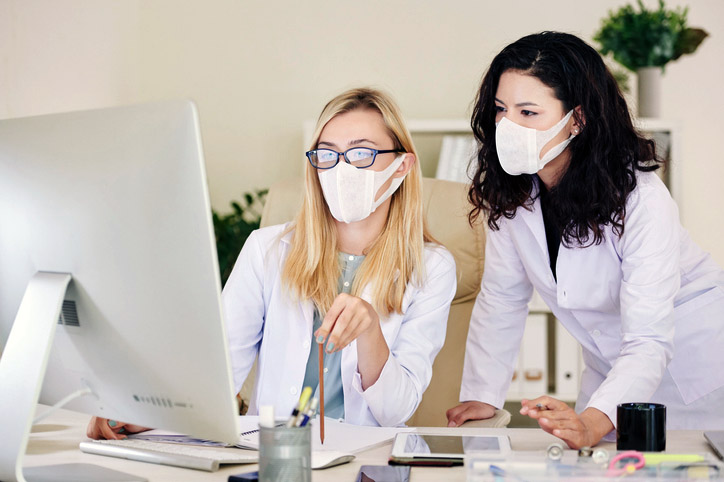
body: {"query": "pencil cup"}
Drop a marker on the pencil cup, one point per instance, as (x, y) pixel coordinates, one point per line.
(641, 426)
(285, 454)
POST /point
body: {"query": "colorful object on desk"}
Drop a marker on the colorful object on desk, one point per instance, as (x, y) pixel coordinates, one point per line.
(632, 461)
(555, 451)
(585, 451)
(309, 412)
(296, 413)
(321, 393)
(657, 458)
(599, 456)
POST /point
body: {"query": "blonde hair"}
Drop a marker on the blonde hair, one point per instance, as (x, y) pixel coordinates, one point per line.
(312, 268)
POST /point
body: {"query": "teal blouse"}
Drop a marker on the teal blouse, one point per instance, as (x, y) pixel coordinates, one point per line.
(333, 392)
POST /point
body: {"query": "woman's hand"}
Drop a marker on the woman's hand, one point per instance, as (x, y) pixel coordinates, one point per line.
(110, 429)
(351, 318)
(470, 410)
(557, 418)
(348, 318)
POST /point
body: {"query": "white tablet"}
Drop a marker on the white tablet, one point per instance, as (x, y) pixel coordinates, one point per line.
(436, 449)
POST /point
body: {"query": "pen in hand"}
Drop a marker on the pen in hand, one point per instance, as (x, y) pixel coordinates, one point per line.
(321, 392)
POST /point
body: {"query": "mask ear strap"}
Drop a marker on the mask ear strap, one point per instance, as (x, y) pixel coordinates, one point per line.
(394, 165)
(386, 175)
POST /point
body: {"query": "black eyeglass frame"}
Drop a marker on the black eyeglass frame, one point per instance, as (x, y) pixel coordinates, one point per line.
(346, 159)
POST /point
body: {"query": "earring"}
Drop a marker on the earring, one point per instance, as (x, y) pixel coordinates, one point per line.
(575, 131)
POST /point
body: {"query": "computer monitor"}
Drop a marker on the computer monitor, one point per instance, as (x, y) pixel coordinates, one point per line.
(112, 204)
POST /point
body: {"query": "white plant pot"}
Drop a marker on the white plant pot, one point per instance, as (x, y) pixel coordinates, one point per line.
(649, 91)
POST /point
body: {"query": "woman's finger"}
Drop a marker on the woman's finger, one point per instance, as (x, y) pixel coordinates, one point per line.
(555, 414)
(340, 326)
(92, 431)
(469, 411)
(330, 318)
(573, 438)
(357, 325)
(343, 333)
(566, 423)
(111, 430)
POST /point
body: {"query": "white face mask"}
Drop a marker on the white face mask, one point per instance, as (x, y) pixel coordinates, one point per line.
(519, 147)
(350, 192)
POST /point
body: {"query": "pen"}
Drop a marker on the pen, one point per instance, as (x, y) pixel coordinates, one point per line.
(306, 393)
(309, 413)
(321, 392)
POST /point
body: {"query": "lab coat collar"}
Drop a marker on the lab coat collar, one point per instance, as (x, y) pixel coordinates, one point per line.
(534, 218)
(287, 237)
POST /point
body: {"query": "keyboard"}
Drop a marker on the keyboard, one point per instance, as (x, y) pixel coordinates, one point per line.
(177, 455)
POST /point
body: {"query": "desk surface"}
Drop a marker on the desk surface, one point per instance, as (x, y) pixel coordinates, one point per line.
(56, 441)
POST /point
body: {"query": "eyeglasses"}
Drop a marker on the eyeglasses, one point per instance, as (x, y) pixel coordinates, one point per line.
(359, 157)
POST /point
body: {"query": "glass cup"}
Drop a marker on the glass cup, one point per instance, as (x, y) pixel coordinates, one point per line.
(285, 454)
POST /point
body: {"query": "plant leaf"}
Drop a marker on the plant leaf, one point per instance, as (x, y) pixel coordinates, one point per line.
(689, 41)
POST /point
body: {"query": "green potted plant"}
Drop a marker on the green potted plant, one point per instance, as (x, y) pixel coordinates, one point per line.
(232, 229)
(644, 41)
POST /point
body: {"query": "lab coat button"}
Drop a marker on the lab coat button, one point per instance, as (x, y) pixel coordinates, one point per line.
(293, 390)
(306, 344)
(596, 333)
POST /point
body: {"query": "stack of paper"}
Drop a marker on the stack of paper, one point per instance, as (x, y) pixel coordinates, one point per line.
(338, 436)
(458, 158)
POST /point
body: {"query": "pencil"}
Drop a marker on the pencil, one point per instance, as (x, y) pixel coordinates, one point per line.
(321, 392)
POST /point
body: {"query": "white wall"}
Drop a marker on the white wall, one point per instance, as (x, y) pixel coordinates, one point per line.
(258, 69)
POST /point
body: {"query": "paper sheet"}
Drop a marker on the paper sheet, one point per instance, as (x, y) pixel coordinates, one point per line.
(338, 436)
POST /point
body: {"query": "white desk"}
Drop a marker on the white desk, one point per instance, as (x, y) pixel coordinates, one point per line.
(55, 441)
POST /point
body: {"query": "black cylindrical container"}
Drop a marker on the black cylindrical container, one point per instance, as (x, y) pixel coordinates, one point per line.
(641, 426)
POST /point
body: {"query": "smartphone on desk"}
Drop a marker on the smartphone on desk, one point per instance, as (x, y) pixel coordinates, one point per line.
(246, 477)
(383, 473)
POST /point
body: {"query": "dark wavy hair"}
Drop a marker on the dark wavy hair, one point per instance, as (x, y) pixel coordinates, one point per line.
(605, 155)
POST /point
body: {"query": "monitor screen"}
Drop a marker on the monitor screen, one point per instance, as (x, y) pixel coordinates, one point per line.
(117, 199)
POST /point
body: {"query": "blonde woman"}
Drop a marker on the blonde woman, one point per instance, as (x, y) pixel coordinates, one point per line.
(356, 271)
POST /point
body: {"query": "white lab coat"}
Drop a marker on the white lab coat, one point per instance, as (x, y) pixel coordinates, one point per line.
(647, 303)
(263, 319)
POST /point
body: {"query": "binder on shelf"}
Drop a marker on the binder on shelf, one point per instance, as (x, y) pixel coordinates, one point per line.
(534, 352)
(456, 154)
(531, 372)
(568, 363)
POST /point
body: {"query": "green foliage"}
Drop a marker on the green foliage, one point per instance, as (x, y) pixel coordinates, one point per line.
(232, 229)
(647, 38)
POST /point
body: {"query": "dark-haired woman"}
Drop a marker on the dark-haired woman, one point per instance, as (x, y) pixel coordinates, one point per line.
(576, 211)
